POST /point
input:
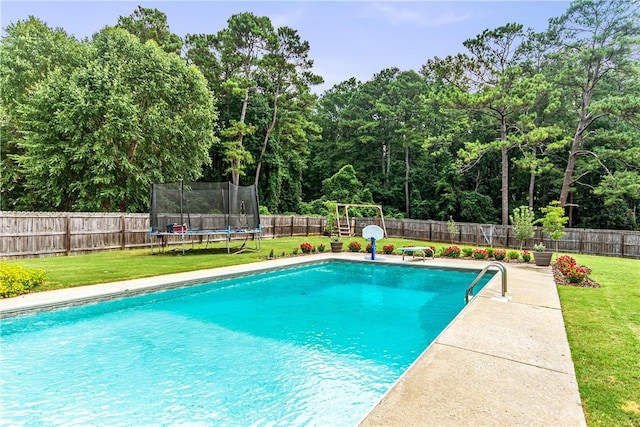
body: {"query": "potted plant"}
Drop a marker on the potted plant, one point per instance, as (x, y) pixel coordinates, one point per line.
(542, 257)
(553, 221)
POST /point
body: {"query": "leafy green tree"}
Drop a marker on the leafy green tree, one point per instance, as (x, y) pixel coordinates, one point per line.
(594, 50)
(151, 24)
(345, 187)
(522, 220)
(29, 52)
(97, 137)
(553, 221)
(483, 82)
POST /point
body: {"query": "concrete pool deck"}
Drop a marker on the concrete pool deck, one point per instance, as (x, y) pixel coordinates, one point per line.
(499, 363)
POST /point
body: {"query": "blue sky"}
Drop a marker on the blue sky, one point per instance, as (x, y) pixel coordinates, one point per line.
(347, 38)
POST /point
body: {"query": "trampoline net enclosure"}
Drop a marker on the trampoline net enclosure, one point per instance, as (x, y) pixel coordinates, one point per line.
(204, 207)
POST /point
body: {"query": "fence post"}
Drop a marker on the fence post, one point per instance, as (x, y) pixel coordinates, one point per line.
(124, 231)
(621, 244)
(291, 226)
(307, 226)
(67, 238)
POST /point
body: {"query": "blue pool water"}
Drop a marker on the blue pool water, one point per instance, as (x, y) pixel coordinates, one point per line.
(311, 345)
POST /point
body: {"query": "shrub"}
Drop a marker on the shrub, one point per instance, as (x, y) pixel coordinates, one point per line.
(499, 254)
(480, 254)
(526, 256)
(513, 254)
(354, 246)
(575, 273)
(490, 252)
(295, 250)
(321, 247)
(306, 247)
(467, 252)
(451, 252)
(16, 279)
(271, 254)
(368, 248)
(388, 249)
(565, 261)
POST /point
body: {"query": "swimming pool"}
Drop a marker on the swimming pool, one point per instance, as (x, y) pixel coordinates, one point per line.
(317, 344)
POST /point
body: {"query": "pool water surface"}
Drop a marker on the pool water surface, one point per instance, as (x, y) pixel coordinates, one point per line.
(312, 345)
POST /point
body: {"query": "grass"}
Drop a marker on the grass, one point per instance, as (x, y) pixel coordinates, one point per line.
(603, 328)
(603, 324)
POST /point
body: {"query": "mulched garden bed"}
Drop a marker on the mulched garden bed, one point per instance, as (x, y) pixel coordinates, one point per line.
(560, 279)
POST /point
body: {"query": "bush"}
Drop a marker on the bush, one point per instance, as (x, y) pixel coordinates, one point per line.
(388, 249)
(354, 246)
(480, 253)
(490, 252)
(499, 254)
(513, 254)
(526, 256)
(575, 273)
(467, 252)
(451, 252)
(369, 248)
(17, 280)
(321, 247)
(306, 247)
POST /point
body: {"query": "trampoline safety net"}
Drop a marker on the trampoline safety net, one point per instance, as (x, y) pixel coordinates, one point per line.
(204, 207)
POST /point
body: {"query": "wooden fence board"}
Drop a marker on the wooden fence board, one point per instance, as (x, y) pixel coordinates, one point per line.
(33, 234)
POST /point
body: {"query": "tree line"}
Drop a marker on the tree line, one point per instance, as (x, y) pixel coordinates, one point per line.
(519, 119)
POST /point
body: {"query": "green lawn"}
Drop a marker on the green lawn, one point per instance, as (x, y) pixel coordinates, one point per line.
(603, 324)
(603, 327)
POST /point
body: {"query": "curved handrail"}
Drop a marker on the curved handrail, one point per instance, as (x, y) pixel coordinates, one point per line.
(469, 291)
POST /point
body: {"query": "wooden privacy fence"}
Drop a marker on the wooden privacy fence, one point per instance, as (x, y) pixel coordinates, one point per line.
(33, 234)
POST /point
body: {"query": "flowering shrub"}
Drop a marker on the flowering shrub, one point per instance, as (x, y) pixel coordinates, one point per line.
(388, 249)
(480, 254)
(490, 252)
(571, 270)
(451, 252)
(295, 251)
(321, 247)
(16, 279)
(526, 256)
(499, 254)
(566, 261)
(467, 252)
(575, 273)
(271, 254)
(368, 247)
(354, 246)
(306, 247)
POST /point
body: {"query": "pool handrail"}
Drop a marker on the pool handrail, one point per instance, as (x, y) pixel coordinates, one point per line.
(469, 291)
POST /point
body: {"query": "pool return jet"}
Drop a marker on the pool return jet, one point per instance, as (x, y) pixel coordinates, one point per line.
(373, 233)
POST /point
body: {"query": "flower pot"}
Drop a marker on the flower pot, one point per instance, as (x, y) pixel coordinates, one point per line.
(542, 259)
(336, 246)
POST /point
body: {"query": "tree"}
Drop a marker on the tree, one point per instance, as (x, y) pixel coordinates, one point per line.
(483, 82)
(29, 52)
(243, 45)
(522, 220)
(553, 221)
(595, 45)
(96, 138)
(286, 72)
(151, 24)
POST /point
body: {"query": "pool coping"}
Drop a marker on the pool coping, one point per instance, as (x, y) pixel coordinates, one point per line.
(502, 361)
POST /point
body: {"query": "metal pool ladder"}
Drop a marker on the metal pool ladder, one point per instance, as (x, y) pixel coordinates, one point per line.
(469, 292)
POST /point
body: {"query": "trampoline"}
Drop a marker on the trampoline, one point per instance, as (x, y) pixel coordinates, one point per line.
(205, 209)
